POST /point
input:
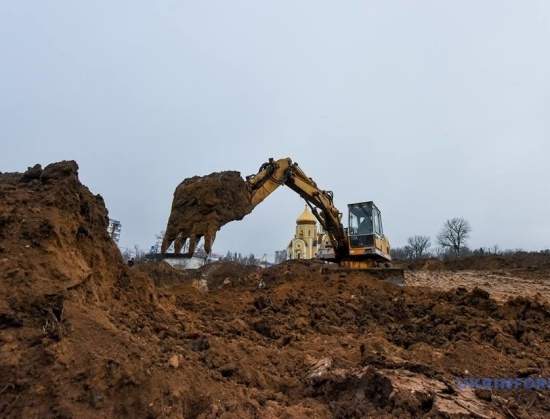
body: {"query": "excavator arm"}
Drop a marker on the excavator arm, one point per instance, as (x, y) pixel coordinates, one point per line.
(198, 212)
(284, 172)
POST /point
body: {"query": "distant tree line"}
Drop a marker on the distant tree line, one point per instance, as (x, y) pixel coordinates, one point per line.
(239, 258)
(135, 255)
(452, 242)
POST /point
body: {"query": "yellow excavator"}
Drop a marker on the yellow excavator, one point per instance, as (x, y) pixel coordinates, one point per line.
(360, 246)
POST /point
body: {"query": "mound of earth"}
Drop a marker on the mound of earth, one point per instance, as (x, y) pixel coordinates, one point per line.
(214, 275)
(84, 336)
(67, 301)
(162, 273)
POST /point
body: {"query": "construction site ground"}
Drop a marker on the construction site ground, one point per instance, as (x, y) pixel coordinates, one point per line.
(502, 285)
(82, 335)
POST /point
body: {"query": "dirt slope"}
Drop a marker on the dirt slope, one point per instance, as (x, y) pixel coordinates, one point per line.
(83, 336)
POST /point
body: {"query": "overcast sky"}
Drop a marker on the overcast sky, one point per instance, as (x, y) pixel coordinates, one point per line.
(433, 109)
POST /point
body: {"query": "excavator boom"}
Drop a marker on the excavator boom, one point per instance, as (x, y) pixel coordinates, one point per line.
(283, 172)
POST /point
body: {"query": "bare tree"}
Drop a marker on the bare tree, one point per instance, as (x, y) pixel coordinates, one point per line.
(454, 234)
(126, 255)
(155, 248)
(418, 246)
(401, 253)
(138, 254)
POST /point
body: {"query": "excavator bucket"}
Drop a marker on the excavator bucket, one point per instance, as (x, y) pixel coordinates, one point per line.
(201, 206)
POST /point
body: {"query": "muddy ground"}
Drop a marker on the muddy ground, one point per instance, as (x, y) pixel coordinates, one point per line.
(84, 336)
(504, 277)
(501, 284)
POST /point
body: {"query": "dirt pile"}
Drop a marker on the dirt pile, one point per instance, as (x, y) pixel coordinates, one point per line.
(162, 273)
(84, 336)
(201, 205)
(345, 345)
(63, 291)
(53, 238)
(212, 276)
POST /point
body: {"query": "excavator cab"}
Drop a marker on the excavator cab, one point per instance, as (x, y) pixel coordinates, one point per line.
(365, 233)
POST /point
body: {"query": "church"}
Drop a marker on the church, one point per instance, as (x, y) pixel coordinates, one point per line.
(308, 239)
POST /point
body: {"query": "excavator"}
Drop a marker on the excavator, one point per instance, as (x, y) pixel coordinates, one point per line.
(360, 246)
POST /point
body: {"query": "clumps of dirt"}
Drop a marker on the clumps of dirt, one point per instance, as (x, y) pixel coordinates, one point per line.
(202, 205)
(347, 345)
(83, 335)
(211, 276)
(162, 273)
(229, 274)
(378, 392)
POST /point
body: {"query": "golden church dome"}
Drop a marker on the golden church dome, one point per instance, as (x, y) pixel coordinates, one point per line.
(306, 217)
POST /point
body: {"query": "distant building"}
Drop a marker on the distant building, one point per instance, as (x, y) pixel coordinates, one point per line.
(264, 263)
(114, 229)
(280, 256)
(308, 239)
(182, 262)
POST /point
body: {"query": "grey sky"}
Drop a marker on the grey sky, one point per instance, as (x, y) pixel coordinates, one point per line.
(432, 109)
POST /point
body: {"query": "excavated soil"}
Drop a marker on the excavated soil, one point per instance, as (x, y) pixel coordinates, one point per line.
(202, 204)
(84, 336)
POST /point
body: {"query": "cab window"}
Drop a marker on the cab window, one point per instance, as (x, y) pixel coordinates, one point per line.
(360, 220)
